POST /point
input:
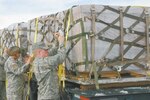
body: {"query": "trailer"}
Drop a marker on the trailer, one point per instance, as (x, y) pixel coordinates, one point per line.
(130, 93)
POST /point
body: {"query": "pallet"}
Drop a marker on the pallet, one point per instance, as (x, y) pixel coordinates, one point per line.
(110, 79)
(110, 83)
(107, 75)
(114, 74)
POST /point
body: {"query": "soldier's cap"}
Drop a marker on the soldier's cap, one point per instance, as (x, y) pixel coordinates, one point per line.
(39, 45)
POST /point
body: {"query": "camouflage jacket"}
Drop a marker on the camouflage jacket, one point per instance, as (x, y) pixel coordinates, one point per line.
(2, 72)
(45, 70)
(14, 76)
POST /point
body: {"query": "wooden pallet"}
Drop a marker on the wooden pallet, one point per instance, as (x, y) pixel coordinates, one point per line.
(114, 74)
(109, 79)
(110, 83)
(107, 75)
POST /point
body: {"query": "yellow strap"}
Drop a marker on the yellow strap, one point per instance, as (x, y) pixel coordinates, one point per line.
(29, 78)
(68, 26)
(61, 74)
(30, 71)
(6, 82)
(17, 36)
(29, 33)
(61, 68)
(1, 46)
(36, 30)
(30, 74)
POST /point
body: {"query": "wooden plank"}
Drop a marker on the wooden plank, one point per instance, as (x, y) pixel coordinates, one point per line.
(111, 83)
(136, 74)
(116, 85)
(108, 75)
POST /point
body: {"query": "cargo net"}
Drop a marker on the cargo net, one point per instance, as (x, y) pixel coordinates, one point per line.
(113, 40)
(14, 35)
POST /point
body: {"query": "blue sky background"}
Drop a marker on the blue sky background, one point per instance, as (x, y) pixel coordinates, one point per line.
(14, 11)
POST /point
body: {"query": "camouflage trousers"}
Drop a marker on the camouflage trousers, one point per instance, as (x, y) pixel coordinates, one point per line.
(3, 90)
(14, 97)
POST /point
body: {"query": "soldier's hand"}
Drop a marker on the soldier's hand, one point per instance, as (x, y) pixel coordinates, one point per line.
(30, 59)
(56, 35)
(59, 33)
(61, 39)
(6, 50)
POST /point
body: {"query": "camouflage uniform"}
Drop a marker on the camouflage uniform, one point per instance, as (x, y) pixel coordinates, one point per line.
(53, 47)
(15, 79)
(2, 79)
(45, 70)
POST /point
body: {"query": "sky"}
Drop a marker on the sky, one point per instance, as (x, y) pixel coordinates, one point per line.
(15, 11)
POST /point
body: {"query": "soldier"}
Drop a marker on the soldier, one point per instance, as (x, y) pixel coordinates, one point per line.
(2, 79)
(3, 59)
(14, 74)
(53, 47)
(45, 69)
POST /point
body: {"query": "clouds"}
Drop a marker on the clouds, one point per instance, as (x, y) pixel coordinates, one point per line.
(34, 6)
(117, 2)
(13, 11)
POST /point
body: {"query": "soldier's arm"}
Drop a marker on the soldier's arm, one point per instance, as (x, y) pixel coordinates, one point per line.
(52, 51)
(5, 54)
(58, 58)
(17, 69)
(2, 61)
(53, 48)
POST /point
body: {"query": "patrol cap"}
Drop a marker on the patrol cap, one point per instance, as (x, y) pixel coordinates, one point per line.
(39, 45)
